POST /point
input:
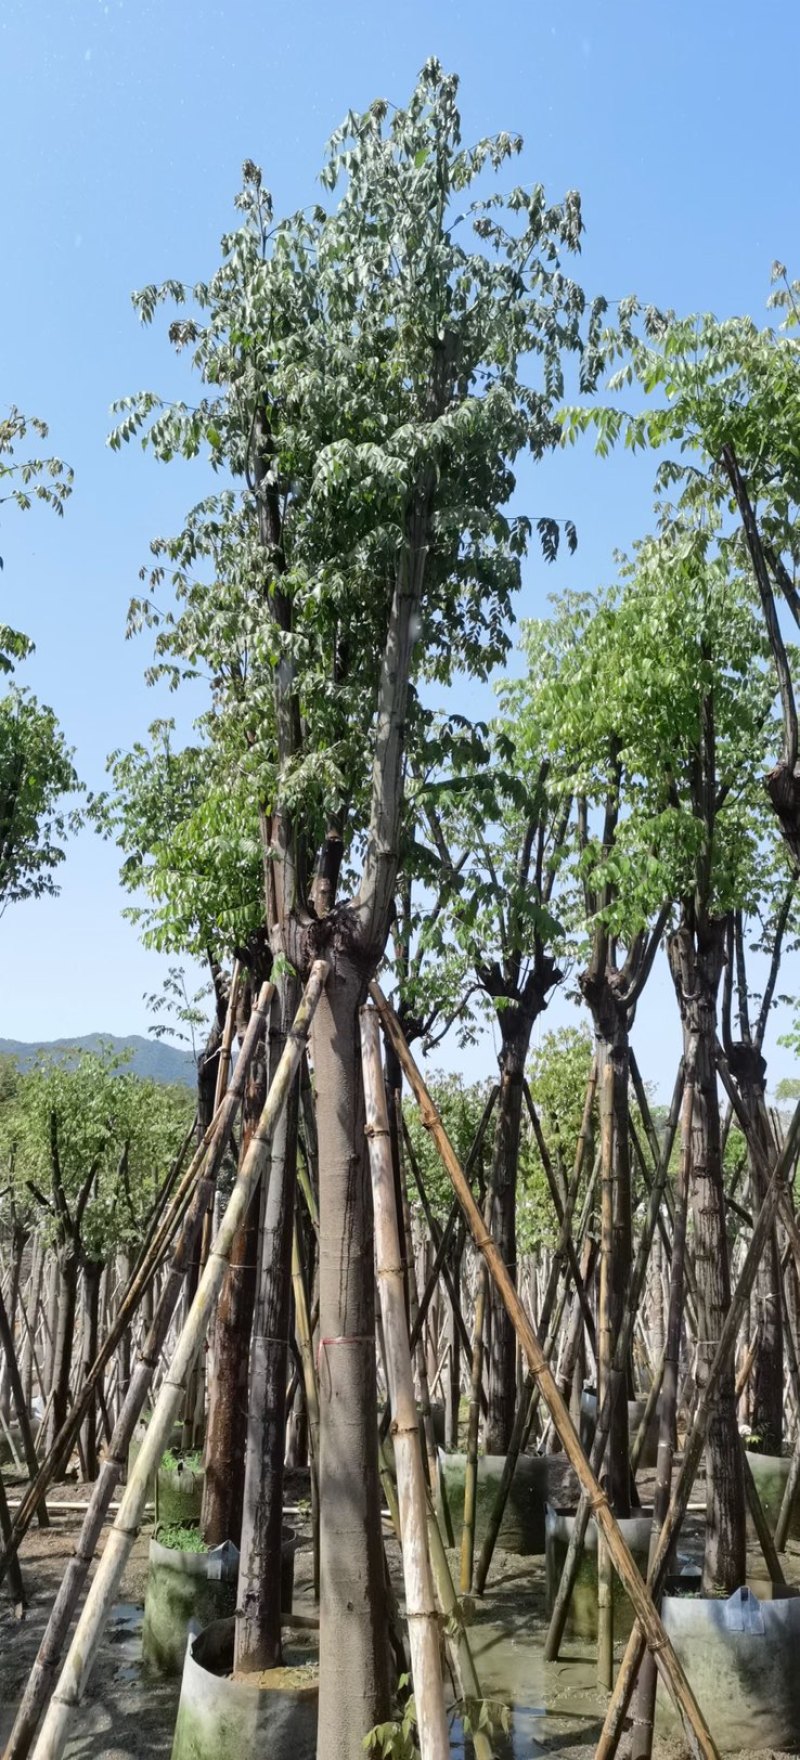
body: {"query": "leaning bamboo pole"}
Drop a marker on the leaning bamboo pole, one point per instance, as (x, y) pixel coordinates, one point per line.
(79, 1661)
(529, 1399)
(642, 1739)
(20, 1405)
(48, 1655)
(623, 1687)
(16, 1584)
(698, 1734)
(423, 1623)
(622, 1349)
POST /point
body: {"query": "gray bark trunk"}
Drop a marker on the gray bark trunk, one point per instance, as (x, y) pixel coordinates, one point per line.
(354, 1673)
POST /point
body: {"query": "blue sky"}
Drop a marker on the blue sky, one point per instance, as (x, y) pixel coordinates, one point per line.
(125, 124)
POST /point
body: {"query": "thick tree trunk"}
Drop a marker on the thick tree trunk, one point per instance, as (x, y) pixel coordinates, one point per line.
(611, 1023)
(223, 1485)
(258, 1622)
(766, 1376)
(68, 1266)
(696, 958)
(226, 1437)
(354, 1674)
(502, 1344)
(125, 1345)
(90, 1328)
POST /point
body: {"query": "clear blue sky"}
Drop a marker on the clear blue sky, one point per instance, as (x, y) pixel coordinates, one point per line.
(125, 123)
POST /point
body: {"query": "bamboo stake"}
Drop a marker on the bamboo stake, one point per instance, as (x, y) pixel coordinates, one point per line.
(79, 1661)
(787, 1501)
(49, 1653)
(544, 1324)
(760, 1523)
(698, 1734)
(623, 1687)
(462, 1661)
(526, 1407)
(16, 1584)
(650, 1405)
(423, 1626)
(229, 1028)
(420, 1359)
(642, 1740)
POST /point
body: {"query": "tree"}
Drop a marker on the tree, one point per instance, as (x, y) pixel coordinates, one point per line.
(36, 772)
(498, 830)
(731, 402)
(364, 387)
(35, 763)
(688, 691)
(88, 1143)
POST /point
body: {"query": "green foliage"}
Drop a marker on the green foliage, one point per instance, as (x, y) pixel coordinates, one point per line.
(36, 772)
(658, 695)
(25, 479)
(190, 844)
(396, 1739)
(461, 1105)
(181, 1539)
(369, 370)
(558, 1073)
(62, 1122)
(171, 1461)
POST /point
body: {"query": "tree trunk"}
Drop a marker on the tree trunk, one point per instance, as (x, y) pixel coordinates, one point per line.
(226, 1437)
(766, 1377)
(611, 1023)
(354, 1677)
(68, 1265)
(258, 1622)
(696, 955)
(223, 1485)
(502, 1344)
(92, 1272)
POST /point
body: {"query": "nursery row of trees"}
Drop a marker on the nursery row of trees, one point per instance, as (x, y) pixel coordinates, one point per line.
(372, 373)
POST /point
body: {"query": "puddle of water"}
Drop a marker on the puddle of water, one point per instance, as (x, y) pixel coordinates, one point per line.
(551, 1703)
(125, 1633)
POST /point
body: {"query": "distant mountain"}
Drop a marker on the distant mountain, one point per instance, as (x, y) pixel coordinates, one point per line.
(152, 1058)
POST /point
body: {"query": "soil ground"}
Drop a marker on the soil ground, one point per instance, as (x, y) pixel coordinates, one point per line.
(557, 1708)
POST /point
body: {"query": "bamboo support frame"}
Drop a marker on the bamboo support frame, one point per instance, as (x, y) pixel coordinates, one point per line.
(80, 1657)
(49, 1653)
(629, 1668)
(136, 1289)
(698, 1734)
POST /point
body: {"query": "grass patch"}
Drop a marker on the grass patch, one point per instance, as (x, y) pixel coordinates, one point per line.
(172, 1460)
(180, 1538)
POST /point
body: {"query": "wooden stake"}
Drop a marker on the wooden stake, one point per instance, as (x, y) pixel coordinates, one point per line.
(423, 1625)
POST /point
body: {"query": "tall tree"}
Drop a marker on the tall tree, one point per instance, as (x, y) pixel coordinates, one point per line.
(498, 830)
(689, 692)
(364, 373)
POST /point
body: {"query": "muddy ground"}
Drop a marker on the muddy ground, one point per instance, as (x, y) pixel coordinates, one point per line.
(557, 1708)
